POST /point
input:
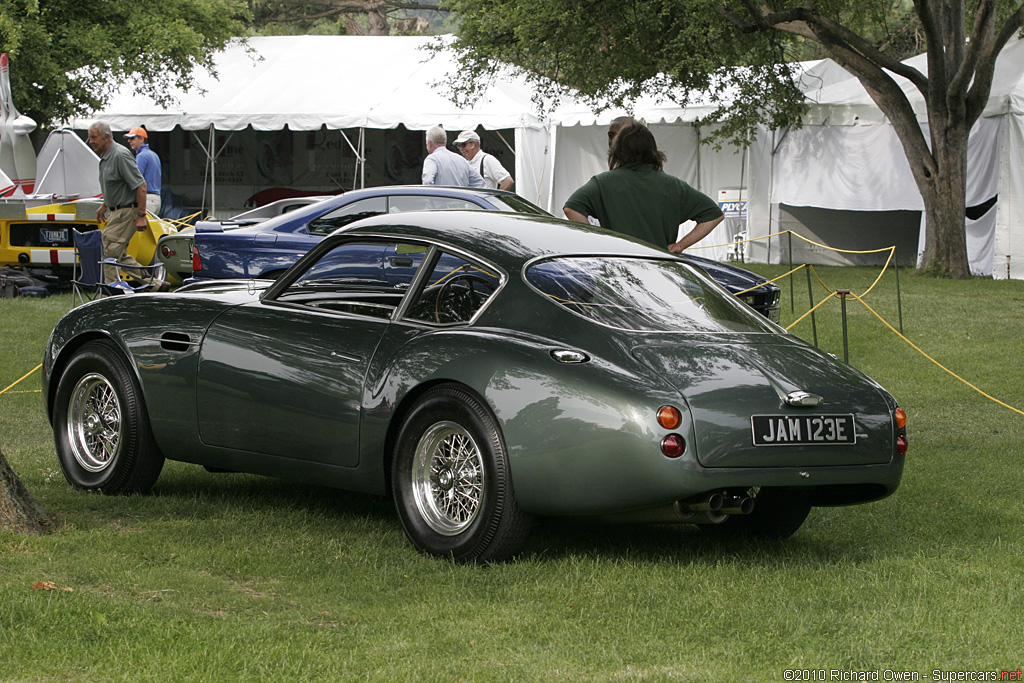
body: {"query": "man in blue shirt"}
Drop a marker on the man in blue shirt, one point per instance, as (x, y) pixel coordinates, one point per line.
(149, 165)
(444, 167)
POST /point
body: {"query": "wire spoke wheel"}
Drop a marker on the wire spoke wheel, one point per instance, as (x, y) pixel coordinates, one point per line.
(102, 431)
(451, 480)
(448, 478)
(94, 422)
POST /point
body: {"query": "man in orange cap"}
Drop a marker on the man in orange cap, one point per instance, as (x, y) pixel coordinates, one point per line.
(149, 165)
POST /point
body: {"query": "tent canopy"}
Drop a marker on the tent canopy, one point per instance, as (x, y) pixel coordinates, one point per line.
(306, 82)
(848, 103)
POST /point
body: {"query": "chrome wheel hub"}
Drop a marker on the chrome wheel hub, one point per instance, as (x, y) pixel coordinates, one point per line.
(94, 422)
(448, 478)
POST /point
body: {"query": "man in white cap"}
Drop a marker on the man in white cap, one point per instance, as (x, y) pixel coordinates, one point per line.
(149, 166)
(443, 166)
(487, 165)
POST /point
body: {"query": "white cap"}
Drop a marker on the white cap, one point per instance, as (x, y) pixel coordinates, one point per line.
(466, 136)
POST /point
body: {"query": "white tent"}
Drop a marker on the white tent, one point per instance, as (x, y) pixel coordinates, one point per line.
(355, 83)
(847, 158)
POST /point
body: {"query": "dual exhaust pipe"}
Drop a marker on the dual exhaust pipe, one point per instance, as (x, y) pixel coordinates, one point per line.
(713, 508)
(706, 508)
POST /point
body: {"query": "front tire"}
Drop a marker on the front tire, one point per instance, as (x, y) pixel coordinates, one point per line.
(451, 480)
(104, 441)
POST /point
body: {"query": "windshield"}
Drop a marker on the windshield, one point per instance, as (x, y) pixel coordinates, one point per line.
(647, 295)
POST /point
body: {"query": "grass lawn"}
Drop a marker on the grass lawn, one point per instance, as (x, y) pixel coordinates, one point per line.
(229, 577)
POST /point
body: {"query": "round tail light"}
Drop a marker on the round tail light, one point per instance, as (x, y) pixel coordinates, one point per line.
(669, 417)
(673, 445)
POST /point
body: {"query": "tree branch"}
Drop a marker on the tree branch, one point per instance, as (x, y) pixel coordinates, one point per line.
(981, 88)
(984, 22)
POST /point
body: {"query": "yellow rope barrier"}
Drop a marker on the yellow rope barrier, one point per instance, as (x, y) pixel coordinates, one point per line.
(892, 253)
(772, 280)
(937, 363)
(21, 379)
(812, 310)
(181, 223)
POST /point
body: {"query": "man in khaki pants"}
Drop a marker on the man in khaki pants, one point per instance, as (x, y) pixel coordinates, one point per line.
(124, 197)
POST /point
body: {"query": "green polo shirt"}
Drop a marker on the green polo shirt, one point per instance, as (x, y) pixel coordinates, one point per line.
(119, 176)
(643, 202)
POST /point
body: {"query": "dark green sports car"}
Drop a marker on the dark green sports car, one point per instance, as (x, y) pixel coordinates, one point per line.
(486, 369)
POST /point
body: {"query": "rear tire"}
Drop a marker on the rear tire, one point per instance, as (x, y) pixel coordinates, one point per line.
(451, 480)
(100, 425)
(777, 514)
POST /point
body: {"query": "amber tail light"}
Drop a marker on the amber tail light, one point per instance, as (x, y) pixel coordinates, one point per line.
(669, 417)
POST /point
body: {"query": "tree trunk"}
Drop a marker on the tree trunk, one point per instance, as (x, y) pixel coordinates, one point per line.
(377, 20)
(19, 512)
(945, 195)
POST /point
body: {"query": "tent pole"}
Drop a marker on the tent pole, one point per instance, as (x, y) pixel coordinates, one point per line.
(502, 137)
(359, 172)
(210, 166)
(699, 183)
(552, 139)
(212, 155)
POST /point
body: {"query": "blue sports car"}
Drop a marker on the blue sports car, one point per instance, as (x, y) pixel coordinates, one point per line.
(267, 249)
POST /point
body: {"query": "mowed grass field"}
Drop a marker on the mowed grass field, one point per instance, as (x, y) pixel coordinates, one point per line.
(230, 577)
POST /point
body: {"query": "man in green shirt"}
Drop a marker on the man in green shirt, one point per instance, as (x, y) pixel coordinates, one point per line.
(637, 198)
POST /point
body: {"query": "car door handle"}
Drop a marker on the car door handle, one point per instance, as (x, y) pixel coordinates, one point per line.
(401, 262)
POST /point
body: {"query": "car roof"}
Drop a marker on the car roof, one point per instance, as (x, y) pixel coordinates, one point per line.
(508, 239)
(304, 214)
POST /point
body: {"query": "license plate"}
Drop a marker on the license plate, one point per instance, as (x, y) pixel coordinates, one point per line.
(789, 430)
(53, 236)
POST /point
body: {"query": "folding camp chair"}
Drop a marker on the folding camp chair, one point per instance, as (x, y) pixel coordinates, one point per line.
(88, 281)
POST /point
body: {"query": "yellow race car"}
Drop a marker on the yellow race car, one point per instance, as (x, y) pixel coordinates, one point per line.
(41, 237)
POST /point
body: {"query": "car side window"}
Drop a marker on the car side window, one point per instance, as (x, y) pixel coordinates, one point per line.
(455, 290)
(351, 278)
(343, 215)
(400, 203)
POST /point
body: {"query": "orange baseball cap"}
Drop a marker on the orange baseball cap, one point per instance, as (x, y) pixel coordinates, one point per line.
(136, 132)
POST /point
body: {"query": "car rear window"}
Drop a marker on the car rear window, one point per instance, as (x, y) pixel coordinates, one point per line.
(512, 202)
(648, 295)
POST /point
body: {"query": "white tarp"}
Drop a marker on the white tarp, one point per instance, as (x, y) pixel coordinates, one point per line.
(867, 169)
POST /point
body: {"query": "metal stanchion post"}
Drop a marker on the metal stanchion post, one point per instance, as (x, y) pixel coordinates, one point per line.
(846, 347)
(810, 298)
(899, 295)
(792, 299)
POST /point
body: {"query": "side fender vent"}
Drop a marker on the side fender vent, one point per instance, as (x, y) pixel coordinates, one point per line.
(175, 341)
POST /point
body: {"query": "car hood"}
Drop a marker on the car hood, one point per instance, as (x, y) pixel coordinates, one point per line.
(735, 279)
(725, 381)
